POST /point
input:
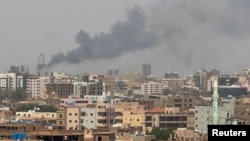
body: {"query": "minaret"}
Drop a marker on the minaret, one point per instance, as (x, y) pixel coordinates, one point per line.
(215, 104)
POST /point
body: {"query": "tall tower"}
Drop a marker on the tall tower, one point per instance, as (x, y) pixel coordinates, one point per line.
(215, 104)
(41, 62)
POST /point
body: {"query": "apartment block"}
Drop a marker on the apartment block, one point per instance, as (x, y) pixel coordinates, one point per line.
(151, 87)
(8, 81)
(72, 117)
(130, 106)
(88, 116)
(63, 90)
(132, 80)
(133, 119)
(204, 114)
(60, 121)
(173, 83)
(168, 117)
(92, 116)
(182, 101)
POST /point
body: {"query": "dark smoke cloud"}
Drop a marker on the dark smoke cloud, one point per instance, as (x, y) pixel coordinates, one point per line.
(184, 35)
(126, 36)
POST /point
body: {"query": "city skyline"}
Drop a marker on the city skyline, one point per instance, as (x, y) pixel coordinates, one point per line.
(83, 36)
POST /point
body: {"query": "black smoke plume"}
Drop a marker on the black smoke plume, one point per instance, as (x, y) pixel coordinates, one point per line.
(126, 36)
(171, 34)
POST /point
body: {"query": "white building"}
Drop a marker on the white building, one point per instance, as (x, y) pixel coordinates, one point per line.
(204, 114)
(88, 117)
(79, 87)
(151, 88)
(8, 81)
(33, 86)
(36, 86)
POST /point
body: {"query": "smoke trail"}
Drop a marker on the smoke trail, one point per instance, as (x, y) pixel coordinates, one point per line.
(126, 36)
(185, 35)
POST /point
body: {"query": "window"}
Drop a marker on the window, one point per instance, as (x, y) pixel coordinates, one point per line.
(70, 114)
(75, 114)
(91, 114)
(75, 121)
(99, 138)
(70, 121)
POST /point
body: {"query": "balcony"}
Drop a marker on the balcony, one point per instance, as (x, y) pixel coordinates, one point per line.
(100, 125)
(172, 121)
(118, 117)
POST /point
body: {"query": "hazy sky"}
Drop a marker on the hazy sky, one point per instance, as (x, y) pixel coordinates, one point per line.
(94, 36)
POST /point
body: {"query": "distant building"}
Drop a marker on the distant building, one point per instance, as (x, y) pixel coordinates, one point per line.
(113, 72)
(19, 69)
(171, 75)
(8, 81)
(132, 80)
(173, 83)
(226, 80)
(235, 91)
(201, 79)
(151, 88)
(146, 69)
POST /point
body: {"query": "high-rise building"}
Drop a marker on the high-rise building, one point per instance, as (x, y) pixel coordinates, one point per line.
(19, 69)
(200, 79)
(146, 69)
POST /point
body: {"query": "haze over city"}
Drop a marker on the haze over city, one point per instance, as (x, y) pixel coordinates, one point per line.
(94, 36)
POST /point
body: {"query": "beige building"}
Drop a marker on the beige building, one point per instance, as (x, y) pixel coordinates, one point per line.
(182, 101)
(110, 84)
(72, 117)
(131, 114)
(173, 83)
(133, 119)
(133, 80)
(101, 114)
(60, 121)
(35, 116)
(130, 106)
(190, 119)
(242, 110)
(5, 115)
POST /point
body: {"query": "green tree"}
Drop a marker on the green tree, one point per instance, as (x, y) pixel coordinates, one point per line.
(160, 133)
